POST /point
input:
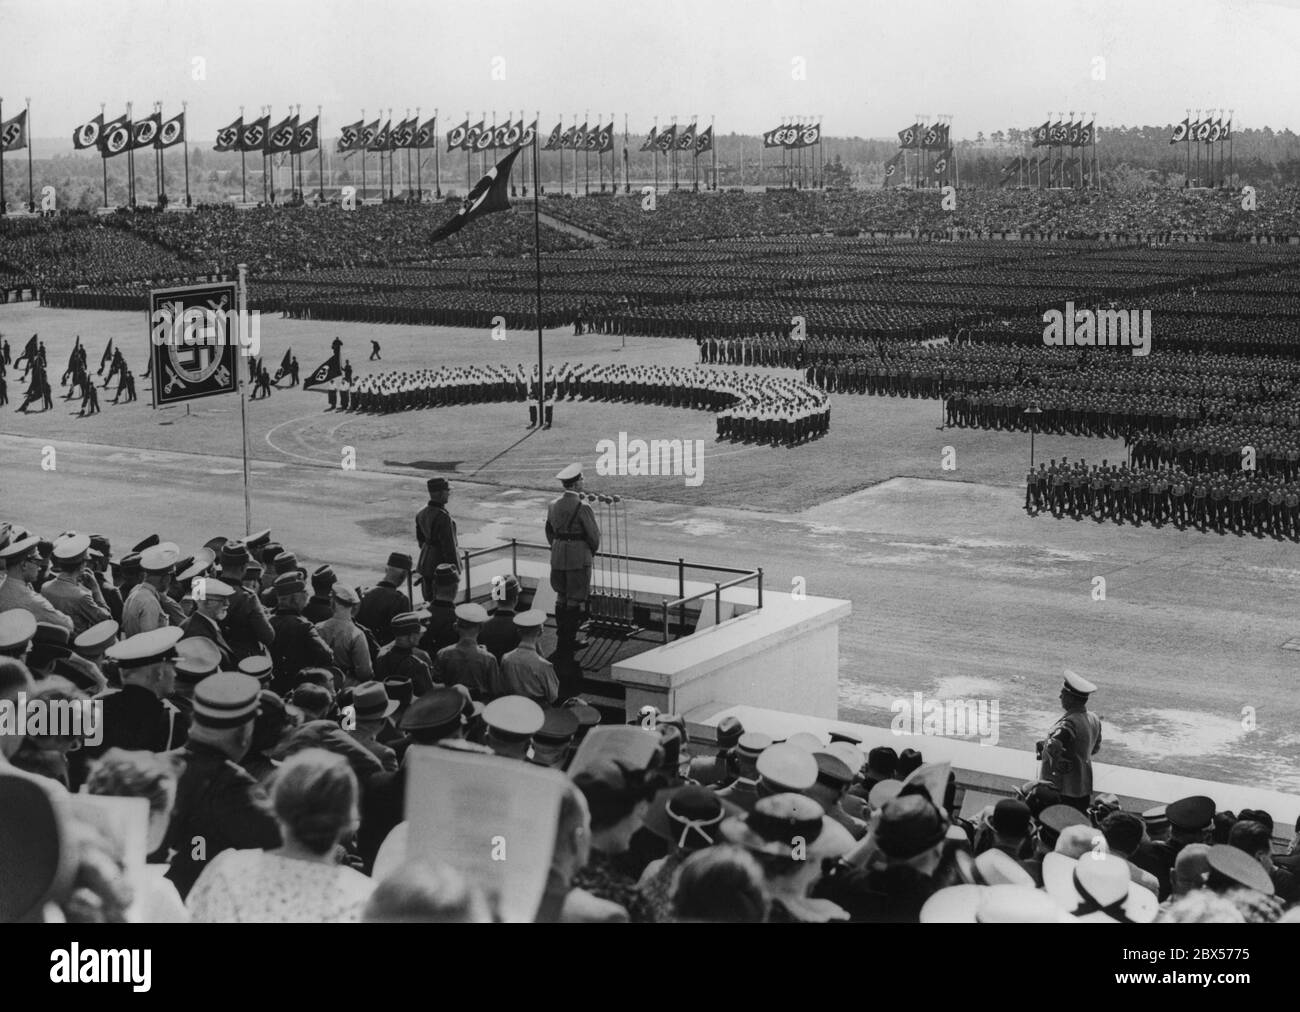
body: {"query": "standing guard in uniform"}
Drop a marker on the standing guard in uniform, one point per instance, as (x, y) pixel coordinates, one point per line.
(574, 537)
(1066, 753)
(435, 533)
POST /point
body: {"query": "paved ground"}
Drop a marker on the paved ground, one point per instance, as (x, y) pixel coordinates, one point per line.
(956, 592)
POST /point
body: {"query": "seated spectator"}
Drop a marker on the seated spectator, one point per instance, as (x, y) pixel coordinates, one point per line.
(1256, 839)
(315, 801)
(687, 819)
(423, 893)
(47, 754)
(617, 799)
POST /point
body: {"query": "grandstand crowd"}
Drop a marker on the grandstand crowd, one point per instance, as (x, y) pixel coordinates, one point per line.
(274, 715)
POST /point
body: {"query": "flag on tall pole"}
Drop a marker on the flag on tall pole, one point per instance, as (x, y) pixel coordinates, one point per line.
(489, 194)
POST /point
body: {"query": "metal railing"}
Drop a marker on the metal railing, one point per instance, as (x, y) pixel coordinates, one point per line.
(742, 576)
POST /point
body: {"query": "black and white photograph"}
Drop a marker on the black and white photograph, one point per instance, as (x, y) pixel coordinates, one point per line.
(586, 463)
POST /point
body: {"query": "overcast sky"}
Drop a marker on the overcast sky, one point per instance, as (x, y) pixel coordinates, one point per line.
(870, 64)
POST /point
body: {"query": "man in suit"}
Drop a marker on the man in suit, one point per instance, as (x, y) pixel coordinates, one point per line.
(574, 537)
(435, 533)
(211, 606)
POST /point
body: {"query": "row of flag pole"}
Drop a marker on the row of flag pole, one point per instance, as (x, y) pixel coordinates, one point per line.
(1208, 131)
(924, 139)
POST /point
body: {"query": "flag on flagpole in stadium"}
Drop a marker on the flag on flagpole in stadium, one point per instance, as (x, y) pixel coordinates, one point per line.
(379, 141)
(650, 138)
(172, 132)
(456, 137)
(1180, 132)
(605, 139)
(350, 136)
(553, 141)
(116, 137)
(13, 133)
(323, 373)
(280, 137)
(668, 138)
(941, 164)
(488, 195)
(529, 135)
(772, 139)
(227, 137)
(427, 135)
(104, 359)
(88, 134)
(580, 138)
(367, 136)
(253, 135)
(145, 131)
(1042, 134)
(307, 136)
(704, 142)
(895, 167)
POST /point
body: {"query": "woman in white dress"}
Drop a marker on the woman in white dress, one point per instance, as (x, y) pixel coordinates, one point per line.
(314, 795)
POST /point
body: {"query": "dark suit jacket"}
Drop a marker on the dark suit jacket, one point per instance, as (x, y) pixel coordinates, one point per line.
(199, 625)
(378, 609)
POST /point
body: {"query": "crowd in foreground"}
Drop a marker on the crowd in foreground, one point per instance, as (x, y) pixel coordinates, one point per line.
(277, 752)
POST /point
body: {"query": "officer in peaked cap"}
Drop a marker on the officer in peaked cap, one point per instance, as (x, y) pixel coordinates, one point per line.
(17, 627)
(785, 769)
(149, 606)
(441, 631)
(380, 604)
(196, 658)
(511, 723)
(554, 740)
(524, 671)
(211, 607)
(574, 537)
(203, 561)
(436, 715)
(435, 534)
(92, 643)
(247, 625)
(258, 666)
(1066, 753)
(401, 659)
(218, 802)
(75, 591)
(466, 662)
(296, 643)
(140, 716)
(588, 717)
(743, 790)
(20, 556)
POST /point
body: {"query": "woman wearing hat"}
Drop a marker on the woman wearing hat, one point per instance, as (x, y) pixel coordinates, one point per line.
(688, 819)
(791, 836)
(315, 801)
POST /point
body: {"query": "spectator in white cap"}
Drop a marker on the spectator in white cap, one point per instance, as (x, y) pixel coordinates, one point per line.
(466, 662)
(75, 591)
(17, 627)
(136, 718)
(20, 556)
(524, 671)
(301, 881)
(211, 605)
(218, 804)
(144, 608)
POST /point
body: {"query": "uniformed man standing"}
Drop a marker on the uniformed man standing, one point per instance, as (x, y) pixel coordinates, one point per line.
(247, 626)
(145, 607)
(297, 644)
(465, 662)
(524, 671)
(435, 533)
(219, 805)
(380, 604)
(137, 718)
(75, 591)
(403, 661)
(1066, 753)
(574, 537)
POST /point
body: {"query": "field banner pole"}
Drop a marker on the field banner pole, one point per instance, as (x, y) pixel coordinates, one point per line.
(320, 157)
(31, 199)
(3, 205)
(242, 301)
(103, 159)
(537, 255)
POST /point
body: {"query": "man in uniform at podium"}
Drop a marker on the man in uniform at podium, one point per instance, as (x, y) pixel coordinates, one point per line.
(574, 537)
(1066, 753)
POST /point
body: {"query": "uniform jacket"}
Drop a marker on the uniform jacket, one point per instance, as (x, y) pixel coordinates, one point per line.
(76, 601)
(14, 593)
(297, 645)
(524, 672)
(408, 665)
(457, 666)
(378, 609)
(441, 630)
(435, 533)
(572, 532)
(1068, 750)
(247, 627)
(348, 644)
(199, 625)
(137, 720)
(499, 634)
(218, 805)
(143, 611)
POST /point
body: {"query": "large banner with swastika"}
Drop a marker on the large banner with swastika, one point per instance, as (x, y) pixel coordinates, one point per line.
(193, 344)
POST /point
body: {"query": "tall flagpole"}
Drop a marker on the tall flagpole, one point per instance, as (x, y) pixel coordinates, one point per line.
(31, 198)
(242, 301)
(103, 161)
(437, 165)
(185, 147)
(320, 156)
(4, 206)
(130, 155)
(537, 256)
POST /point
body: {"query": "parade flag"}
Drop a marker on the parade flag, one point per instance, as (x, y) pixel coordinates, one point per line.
(812, 133)
(485, 138)
(529, 135)
(116, 137)
(472, 136)
(307, 136)
(379, 141)
(1203, 131)
(280, 137)
(427, 135)
(650, 139)
(566, 139)
(367, 136)
(894, 168)
(1216, 131)
(457, 136)
(88, 134)
(488, 195)
(30, 349)
(555, 140)
(172, 132)
(284, 365)
(704, 142)
(323, 373)
(772, 139)
(13, 133)
(668, 139)
(1076, 134)
(910, 136)
(104, 359)
(1180, 132)
(1042, 134)
(1087, 133)
(403, 135)
(580, 138)
(605, 139)
(941, 164)
(145, 131)
(499, 134)
(253, 135)
(686, 139)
